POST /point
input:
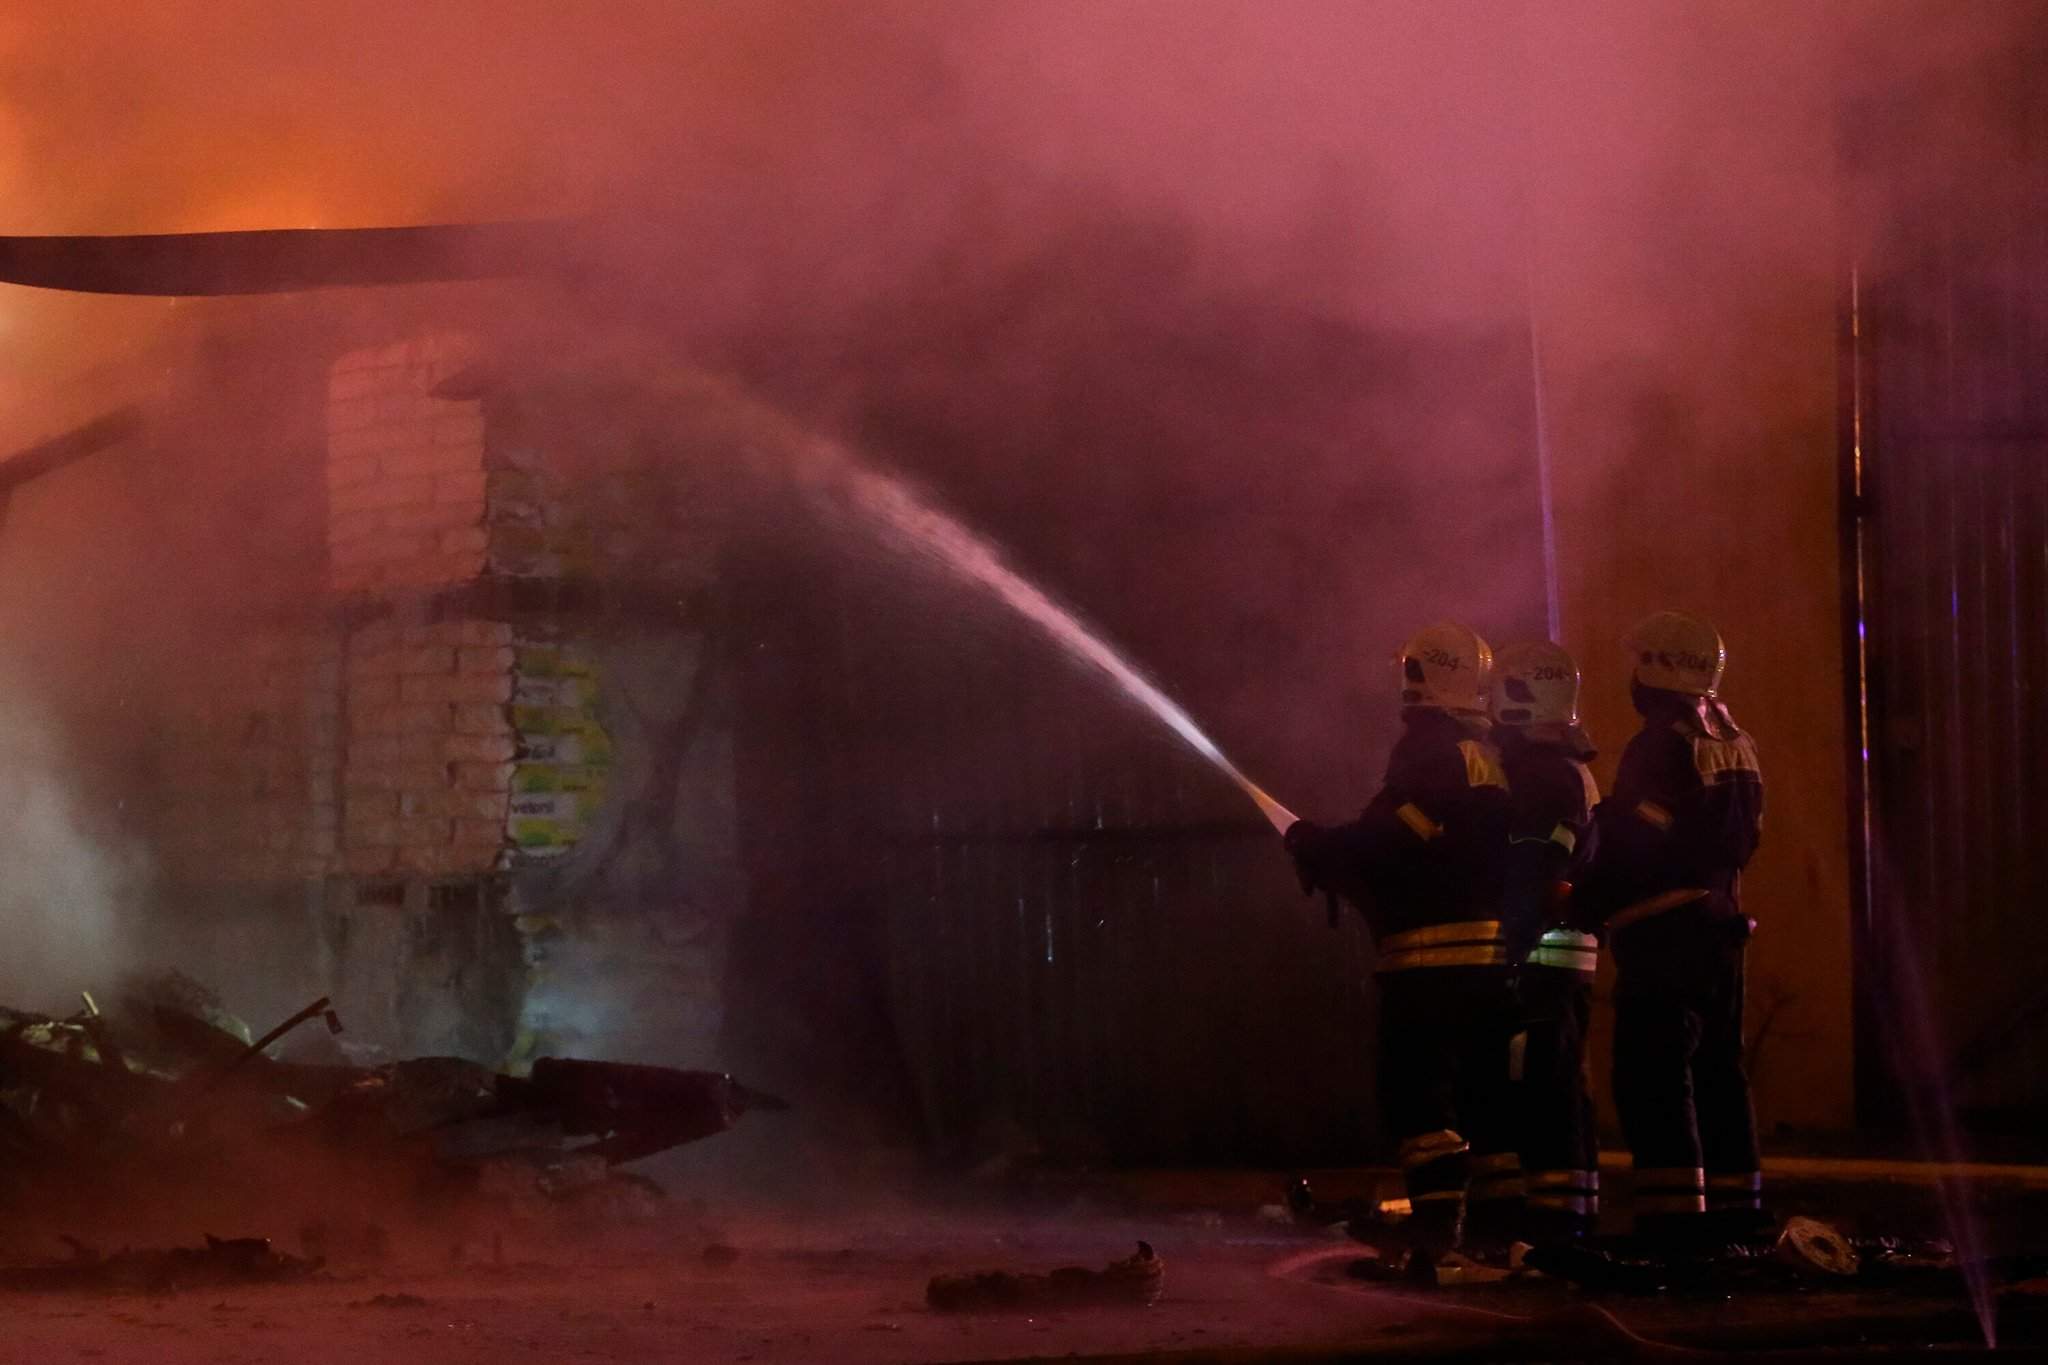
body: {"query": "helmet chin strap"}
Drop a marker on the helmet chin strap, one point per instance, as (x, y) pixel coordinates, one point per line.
(1715, 718)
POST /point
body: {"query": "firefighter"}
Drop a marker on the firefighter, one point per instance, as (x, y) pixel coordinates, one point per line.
(1424, 863)
(1544, 752)
(1682, 821)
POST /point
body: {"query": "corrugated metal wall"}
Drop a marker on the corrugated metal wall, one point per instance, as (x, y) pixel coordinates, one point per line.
(1102, 948)
(1080, 941)
(1946, 427)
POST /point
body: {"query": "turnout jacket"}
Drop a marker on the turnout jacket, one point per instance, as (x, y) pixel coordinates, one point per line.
(1429, 851)
(1550, 835)
(1685, 815)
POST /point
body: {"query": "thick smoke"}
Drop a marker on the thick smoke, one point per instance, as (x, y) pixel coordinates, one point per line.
(1220, 313)
(72, 883)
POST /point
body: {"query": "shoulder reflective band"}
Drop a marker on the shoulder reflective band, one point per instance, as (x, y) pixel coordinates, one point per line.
(1725, 760)
(1474, 943)
(1563, 837)
(1655, 905)
(1746, 1181)
(1426, 1147)
(1414, 817)
(1654, 814)
(1566, 951)
(1592, 788)
(1482, 765)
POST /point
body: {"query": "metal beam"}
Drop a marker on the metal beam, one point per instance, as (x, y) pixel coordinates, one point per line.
(46, 457)
(284, 260)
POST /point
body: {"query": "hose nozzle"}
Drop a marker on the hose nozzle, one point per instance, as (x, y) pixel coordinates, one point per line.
(1276, 814)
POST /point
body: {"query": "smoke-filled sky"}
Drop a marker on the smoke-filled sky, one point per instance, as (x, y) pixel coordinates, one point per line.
(1464, 134)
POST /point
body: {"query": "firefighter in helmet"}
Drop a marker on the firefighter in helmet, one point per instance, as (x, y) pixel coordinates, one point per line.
(1424, 863)
(1682, 821)
(1550, 839)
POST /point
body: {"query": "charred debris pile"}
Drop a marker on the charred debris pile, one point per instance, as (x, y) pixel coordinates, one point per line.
(165, 1098)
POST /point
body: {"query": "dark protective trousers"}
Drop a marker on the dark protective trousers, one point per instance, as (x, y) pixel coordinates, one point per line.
(1678, 1078)
(1444, 1095)
(1560, 1135)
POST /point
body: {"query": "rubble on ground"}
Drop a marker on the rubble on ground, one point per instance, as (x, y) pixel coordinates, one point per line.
(167, 1087)
(1804, 1253)
(221, 1261)
(1134, 1281)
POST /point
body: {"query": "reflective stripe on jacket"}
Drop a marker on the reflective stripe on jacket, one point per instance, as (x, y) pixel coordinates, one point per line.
(1470, 943)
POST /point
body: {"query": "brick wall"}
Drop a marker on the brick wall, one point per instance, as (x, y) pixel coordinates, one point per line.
(405, 470)
(249, 753)
(428, 769)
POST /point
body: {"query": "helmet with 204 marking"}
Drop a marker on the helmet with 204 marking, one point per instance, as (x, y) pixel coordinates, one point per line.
(1677, 653)
(1535, 683)
(1445, 667)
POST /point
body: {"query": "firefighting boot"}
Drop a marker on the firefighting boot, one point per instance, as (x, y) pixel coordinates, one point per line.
(1434, 1228)
(1494, 1206)
(1735, 1208)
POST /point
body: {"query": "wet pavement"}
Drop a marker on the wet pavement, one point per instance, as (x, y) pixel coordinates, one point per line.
(749, 1283)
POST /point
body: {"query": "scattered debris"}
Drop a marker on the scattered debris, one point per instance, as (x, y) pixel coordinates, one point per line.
(341, 1243)
(1453, 1269)
(1807, 1244)
(1134, 1281)
(1363, 1220)
(169, 1086)
(223, 1260)
(1804, 1252)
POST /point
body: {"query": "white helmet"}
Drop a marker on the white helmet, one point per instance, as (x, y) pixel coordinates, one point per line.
(1535, 683)
(1677, 653)
(1445, 667)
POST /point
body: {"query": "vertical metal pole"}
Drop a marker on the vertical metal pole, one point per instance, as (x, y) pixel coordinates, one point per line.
(1878, 1098)
(1553, 612)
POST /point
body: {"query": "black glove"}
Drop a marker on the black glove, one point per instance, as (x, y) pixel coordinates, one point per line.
(1297, 840)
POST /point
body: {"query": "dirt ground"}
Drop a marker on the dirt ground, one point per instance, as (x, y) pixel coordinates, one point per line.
(773, 1285)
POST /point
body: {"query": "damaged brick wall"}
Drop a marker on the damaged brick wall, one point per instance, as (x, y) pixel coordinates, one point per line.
(405, 469)
(428, 771)
(253, 753)
(485, 773)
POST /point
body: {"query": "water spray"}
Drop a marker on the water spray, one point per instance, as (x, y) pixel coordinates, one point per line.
(971, 557)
